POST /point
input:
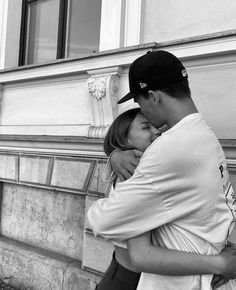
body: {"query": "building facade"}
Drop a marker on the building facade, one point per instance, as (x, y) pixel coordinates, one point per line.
(63, 66)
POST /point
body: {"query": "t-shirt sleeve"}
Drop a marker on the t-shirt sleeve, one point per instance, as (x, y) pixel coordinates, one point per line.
(136, 205)
(158, 193)
(133, 208)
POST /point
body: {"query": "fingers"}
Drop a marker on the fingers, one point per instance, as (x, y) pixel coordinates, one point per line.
(131, 158)
(230, 248)
(137, 153)
(124, 174)
(219, 283)
(231, 245)
(215, 279)
(134, 163)
(163, 128)
(121, 177)
(126, 171)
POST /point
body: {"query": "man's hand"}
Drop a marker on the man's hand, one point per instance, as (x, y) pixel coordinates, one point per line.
(228, 268)
(228, 256)
(125, 162)
(218, 281)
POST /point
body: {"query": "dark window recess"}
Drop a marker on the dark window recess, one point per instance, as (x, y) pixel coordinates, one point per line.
(54, 29)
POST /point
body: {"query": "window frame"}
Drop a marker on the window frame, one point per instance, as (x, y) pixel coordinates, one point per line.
(61, 34)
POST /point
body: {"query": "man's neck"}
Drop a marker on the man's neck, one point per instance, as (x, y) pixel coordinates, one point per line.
(179, 111)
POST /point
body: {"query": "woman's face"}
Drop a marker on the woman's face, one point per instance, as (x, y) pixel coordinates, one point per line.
(142, 133)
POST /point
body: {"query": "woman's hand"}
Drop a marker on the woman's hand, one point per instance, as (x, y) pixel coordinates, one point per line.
(125, 162)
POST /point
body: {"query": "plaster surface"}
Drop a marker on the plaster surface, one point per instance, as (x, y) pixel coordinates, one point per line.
(97, 253)
(170, 19)
(44, 218)
(34, 169)
(8, 168)
(71, 173)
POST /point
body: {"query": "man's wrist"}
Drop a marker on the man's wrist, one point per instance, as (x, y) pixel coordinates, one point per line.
(218, 265)
(109, 158)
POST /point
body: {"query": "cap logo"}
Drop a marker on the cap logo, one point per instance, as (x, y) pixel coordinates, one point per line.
(184, 73)
(143, 85)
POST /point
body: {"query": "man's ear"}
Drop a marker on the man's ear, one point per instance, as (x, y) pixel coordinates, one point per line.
(154, 96)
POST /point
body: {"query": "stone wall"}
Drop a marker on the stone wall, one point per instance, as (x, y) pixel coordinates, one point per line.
(43, 242)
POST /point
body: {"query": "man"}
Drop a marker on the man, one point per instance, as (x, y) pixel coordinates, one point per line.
(181, 184)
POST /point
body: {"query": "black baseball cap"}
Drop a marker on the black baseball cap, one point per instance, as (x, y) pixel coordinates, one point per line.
(152, 71)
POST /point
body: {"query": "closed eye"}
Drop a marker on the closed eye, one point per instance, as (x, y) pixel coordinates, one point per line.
(145, 125)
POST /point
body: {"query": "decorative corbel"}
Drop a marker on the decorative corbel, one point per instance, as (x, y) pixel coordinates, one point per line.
(103, 87)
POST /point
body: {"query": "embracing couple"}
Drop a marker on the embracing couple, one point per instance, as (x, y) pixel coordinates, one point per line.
(171, 207)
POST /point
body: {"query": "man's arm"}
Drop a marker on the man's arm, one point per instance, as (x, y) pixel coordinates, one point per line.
(129, 211)
(145, 201)
(125, 162)
(135, 206)
(151, 259)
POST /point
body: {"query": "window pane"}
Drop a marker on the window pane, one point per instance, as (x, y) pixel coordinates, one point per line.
(42, 34)
(83, 27)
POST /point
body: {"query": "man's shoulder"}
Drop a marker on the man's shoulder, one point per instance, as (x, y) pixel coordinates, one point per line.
(180, 147)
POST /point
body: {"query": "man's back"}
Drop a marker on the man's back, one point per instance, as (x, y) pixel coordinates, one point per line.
(188, 170)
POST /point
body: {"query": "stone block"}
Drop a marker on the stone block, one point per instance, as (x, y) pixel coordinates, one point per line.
(45, 218)
(97, 185)
(89, 201)
(71, 174)
(9, 167)
(34, 169)
(97, 254)
(77, 279)
(33, 268)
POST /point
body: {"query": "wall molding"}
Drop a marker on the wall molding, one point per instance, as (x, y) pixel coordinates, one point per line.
(73, 174)
(229, 147)
(194, 47)
(228, 143)
(53, 145)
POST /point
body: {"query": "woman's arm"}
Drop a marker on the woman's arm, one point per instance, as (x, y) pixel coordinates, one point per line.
(151, 259)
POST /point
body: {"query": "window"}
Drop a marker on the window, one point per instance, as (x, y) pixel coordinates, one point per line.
(54, 29)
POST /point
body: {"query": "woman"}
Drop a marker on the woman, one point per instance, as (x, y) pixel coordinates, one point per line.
(132, 130)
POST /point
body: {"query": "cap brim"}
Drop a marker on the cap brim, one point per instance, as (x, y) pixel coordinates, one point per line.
(127, 97)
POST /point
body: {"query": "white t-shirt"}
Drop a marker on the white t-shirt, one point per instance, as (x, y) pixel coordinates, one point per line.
(181, 188)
